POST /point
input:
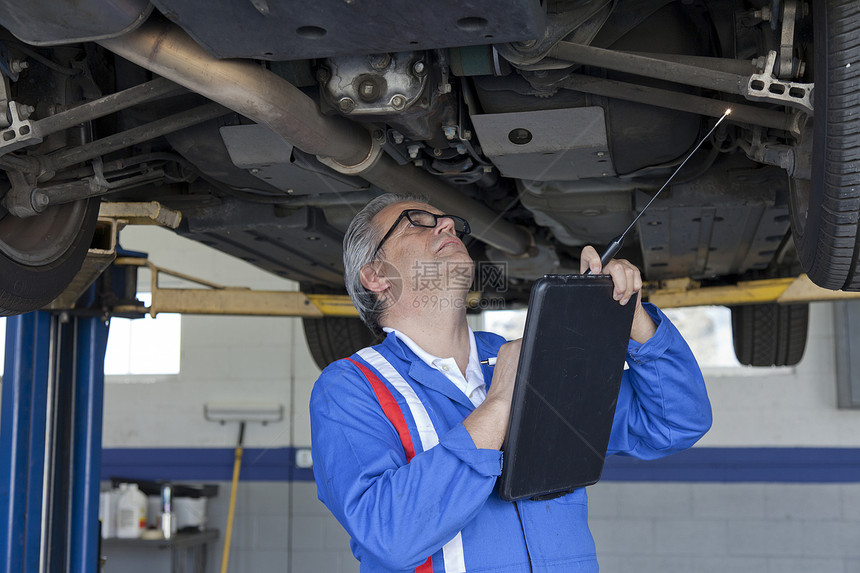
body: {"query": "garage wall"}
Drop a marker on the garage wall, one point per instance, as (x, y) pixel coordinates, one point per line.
(776, 489)
(154, 427)
(775, 485)
(733, 527)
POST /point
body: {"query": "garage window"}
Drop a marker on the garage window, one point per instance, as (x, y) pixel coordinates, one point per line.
(707, 329)
(136, 348)
(143, 346)
(708, 332)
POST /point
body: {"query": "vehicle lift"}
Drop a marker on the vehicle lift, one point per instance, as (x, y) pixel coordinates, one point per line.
(50, 441)
(53, 387)
(53, 394)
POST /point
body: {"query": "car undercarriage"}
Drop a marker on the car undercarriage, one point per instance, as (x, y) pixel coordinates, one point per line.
(548, 125)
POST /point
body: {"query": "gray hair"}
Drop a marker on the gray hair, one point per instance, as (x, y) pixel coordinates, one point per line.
(358, 245)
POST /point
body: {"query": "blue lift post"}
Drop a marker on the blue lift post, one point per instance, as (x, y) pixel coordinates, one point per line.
(50, 442)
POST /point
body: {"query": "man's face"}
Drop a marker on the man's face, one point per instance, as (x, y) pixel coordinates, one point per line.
(426, 259)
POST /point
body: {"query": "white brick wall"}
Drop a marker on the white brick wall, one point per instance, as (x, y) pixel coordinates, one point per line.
(726, 527)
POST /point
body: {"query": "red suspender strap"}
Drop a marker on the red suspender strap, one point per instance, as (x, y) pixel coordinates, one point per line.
(395, 415)
(389, 407)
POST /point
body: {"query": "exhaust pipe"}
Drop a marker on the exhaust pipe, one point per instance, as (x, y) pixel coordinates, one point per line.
(266, 98)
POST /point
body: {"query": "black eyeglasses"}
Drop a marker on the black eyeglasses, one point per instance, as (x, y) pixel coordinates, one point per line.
(421, 218)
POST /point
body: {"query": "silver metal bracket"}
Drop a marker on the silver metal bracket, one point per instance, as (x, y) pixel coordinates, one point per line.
(21, 131)
(768, 88)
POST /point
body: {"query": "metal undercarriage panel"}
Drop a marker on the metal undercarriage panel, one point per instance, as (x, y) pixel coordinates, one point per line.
(275, 162)
(301, 245)
(547, 145)
(49, 22)
(727, 222)
(325, 28)
(592, 211)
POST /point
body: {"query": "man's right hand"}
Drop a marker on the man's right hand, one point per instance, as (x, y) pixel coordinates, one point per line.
(488, 424)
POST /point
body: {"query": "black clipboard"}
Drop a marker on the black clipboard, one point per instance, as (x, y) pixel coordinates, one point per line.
(569, 374)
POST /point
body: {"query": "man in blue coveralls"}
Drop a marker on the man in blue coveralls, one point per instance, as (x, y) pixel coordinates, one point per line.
(407, 435)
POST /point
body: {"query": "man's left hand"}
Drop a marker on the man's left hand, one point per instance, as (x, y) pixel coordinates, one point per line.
(628, 284)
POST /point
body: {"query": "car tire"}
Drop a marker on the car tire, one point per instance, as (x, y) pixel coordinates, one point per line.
(335, 337)
(770, 334)
(826, 210)
(39, 256)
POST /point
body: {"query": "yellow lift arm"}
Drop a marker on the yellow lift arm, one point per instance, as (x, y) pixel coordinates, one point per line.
(686, 292)
(218, 299)
(211, 298)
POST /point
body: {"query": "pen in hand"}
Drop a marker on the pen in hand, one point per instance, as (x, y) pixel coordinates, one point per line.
(489, 361)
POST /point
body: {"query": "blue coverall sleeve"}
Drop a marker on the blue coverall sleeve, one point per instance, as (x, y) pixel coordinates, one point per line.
(663, 405)
(397, 513)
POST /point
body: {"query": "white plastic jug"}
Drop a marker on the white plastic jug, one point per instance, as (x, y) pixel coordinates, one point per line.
(131, 512)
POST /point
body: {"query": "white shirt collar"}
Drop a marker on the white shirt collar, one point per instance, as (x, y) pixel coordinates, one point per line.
(472, 385)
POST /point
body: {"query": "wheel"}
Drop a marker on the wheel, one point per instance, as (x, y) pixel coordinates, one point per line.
(770, 334)
(39, 256)
(335, 337)
(826, 211)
